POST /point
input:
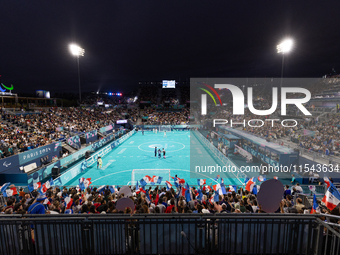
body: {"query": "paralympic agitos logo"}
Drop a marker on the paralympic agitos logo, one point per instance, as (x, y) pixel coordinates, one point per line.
(238, 101)
(3, 88)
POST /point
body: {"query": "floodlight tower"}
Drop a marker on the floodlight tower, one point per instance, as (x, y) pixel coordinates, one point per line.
(77, 51)
(284, 47)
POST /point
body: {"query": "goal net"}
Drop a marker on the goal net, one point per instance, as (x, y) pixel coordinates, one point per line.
(138, 174)
(166, 128)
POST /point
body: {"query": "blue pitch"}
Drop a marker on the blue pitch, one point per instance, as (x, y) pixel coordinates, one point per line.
(137, 152)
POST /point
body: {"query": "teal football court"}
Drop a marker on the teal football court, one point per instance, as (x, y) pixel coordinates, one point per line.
(138, 152)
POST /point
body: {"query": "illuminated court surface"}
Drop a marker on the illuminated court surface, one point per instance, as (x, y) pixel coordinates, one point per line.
(138, 152)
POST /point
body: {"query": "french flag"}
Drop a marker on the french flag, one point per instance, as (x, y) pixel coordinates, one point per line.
(168, 185)
(207, 188)
(47, 201)
(327, 181)
(10, 192)
(47, 185)
(275, 177)
(84, 183)
(156, 179)
(147, 198)
(201, 182)
(315, 208)
(68, 202)
(37, 185)
(112, 189)
(81, 183)
(217, 177)
(261, 178)
(4, 187)
(145, 180)
(250, 184)
(101, 189)
(140, 190)
(232, 188)
(217, 187)
(331, 198)
(188, 194)
(200, 195)
(224, 191)
(182, 193)
(214, 198)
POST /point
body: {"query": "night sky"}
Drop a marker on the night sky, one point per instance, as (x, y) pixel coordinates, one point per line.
(130, 41)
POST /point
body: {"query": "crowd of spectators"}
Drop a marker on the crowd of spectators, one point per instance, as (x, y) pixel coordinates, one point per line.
(323, 138)
(166, 117)
(19, 133)
(157, 200)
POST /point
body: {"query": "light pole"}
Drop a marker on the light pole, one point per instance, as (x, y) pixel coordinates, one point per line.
(284, 47)
(77, 51)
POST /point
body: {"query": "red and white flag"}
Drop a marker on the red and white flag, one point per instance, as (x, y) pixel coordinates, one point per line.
(250, 184)
(11, 192)
(327, 181)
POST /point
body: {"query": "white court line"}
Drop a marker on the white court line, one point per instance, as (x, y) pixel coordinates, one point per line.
(184, 170)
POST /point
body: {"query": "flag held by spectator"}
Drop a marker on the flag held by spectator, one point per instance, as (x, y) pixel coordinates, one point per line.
(216, 178)
(250, 184)
(261, 178)
(30, 188)
(10, 192)
(140, 190)
(4, 187)
(47, 185)
(201, 182)
(156, 179)
(327, 181)
(168, 185)
(315, 208)
(37, 185)
(101, 189)
(200, 195)
(112, 189)
(145, 180)
(68, 202)
(187, 193)
(332, 197)
(232, 188)
(207, 188)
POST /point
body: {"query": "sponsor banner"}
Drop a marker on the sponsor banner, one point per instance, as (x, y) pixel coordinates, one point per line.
(47, 171)
(40, 152)
(12, 164)
(74, 141)
(91, 136)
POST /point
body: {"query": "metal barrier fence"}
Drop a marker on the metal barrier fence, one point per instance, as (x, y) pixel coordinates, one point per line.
(169, 234)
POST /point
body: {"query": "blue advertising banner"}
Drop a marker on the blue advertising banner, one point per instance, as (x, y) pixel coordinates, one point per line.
(12, 164)
(74, 141)
(91, 136)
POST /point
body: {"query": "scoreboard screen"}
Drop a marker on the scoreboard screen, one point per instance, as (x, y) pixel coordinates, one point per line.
(169, 84)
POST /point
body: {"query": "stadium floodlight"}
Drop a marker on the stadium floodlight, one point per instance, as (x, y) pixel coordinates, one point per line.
(77, 51)
(284, 47)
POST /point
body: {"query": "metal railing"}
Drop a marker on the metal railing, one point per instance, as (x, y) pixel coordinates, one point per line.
(169, 234)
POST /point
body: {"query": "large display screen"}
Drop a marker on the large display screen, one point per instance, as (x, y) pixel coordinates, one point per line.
(121, 121)
(169, 84)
